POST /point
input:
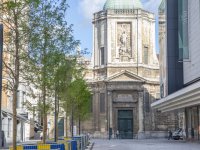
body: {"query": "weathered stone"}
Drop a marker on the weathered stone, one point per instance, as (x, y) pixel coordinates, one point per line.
(127, 76)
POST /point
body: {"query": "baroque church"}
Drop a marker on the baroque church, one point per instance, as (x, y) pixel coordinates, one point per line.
(124, 74)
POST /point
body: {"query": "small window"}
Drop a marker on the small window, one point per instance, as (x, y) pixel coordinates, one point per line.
(102, 103)
(147, 102)
(102, 56)
(146, 57)
(9, 126)
(91, 104)
(18, 99)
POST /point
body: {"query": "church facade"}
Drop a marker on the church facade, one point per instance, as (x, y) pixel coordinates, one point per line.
(124, 74)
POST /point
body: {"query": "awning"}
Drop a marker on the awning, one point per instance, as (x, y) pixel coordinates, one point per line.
(19, 117)
(186, 97)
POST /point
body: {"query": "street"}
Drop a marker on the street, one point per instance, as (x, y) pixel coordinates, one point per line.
(156, 144)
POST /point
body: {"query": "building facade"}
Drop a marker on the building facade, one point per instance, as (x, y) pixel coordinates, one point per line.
(25, 117)
(180, 58)
(124, 73)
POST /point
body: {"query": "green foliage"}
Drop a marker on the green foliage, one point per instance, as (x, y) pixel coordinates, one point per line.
(51, 44)
(14, 19)
(77, 97)
(50, 60)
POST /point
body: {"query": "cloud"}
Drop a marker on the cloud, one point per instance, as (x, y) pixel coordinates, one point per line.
(88, 7)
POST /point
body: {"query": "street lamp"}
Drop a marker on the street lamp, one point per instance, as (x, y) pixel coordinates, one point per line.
(1, 59)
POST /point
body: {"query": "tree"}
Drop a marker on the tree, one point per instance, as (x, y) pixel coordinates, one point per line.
(77, 101)
(15, 22)
(51, 43)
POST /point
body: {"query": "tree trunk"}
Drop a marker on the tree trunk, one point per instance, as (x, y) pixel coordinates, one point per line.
(16, 80)
(14, 119)
(56, 119)
(44, 128)
(66, 125)
(44, 115)
(72, 123)
(79, 124)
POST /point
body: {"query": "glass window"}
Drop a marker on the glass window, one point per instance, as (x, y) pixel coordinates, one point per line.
(147, 102)
(9, 126)
(18, 99)
(102, 56)
(23, 99)
(91, 103)
(146, 57)
(183, 29)
(102, 102)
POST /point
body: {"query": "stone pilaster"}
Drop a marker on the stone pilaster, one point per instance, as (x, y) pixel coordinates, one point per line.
(96, 110)
(110, 109)
(141, 134)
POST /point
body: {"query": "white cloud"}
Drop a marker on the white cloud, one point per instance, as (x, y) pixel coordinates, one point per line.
(88, 7)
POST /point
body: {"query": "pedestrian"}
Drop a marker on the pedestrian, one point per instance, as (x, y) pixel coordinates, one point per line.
(169, 134)
(41, 135)
(117, 134)
(192, 134)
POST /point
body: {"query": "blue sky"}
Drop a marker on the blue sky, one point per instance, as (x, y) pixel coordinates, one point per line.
(80, 15)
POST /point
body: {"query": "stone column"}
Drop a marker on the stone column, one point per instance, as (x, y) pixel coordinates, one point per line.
(110, 110)
(141, 134)
(97, 110)
(184, 124)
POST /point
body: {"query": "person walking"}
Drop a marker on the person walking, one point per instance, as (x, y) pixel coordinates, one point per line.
(117, 134)
(169, 134)
(41, 135)
(192, 134)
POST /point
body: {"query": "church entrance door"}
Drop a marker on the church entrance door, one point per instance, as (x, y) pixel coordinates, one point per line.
(125, 124)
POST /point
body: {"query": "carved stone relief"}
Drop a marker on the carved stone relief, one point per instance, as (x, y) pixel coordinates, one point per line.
(125, 97)
(124, 49)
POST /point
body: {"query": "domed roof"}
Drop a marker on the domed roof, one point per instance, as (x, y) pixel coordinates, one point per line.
(122, 4)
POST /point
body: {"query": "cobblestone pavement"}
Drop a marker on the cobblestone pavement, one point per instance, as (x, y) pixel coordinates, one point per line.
(157, 144)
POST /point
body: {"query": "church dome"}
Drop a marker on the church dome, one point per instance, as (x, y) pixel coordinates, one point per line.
(122, 4)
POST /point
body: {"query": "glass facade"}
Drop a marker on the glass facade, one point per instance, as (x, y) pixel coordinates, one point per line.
(183, 29)
(193, 123)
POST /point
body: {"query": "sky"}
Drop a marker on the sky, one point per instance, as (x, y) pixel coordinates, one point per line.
(80, 14)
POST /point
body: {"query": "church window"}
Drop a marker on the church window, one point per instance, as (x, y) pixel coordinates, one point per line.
(102, 103)
(91, 104)
(147, 102)
(145, 55)
(102, 56)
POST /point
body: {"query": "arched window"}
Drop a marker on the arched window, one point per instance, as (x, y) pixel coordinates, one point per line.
(145, 55)
(102, 56)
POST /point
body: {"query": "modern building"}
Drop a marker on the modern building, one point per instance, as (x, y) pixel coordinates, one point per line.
(124, 73)
(180, 52)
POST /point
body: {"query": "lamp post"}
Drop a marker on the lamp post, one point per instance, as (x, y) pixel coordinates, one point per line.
(1, 59)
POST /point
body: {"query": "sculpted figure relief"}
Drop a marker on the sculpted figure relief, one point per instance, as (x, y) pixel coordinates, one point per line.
(123, 39)
(124, 47)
